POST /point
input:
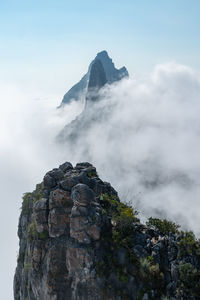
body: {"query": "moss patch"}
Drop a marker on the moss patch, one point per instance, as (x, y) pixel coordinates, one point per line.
(164, 226)
(29, 198)
(27, 267)
(92, 174)
(32, 233)
(37, 194)
(26, 203)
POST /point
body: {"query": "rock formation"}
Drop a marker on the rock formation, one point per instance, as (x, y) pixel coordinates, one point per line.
(79, 242)
(96, 81)
(101, 71)
(111, 75)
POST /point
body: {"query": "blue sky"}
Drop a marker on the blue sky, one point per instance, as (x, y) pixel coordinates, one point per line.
(45, 47)
(48, 44)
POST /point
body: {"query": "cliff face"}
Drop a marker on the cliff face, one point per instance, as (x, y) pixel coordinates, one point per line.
(79, 242)
(111, 74)
(96, 81)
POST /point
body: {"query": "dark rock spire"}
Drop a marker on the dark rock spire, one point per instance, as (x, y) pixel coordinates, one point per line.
(111, 73)
(97, 77)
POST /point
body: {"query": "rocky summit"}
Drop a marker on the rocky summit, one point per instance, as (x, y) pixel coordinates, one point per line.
(78, 241)
(102, 72)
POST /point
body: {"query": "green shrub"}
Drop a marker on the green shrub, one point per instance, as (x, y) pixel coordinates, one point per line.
(121, 240)
(188, 274)
(188, 245)
(115, 208)
(122, 274)
(32, 233)
(148, 268)
(164, 226)
(189, 279)
(25, 203)
(27, 197)
(151, 276)
(37, 194)
(123, 231)
(150, 259)
(122, 218)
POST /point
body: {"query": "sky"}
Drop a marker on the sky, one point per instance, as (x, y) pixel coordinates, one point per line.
(45, 47)
(44, 40)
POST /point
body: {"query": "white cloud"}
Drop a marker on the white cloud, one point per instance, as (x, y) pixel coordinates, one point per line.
(28, 127)
(145, 142)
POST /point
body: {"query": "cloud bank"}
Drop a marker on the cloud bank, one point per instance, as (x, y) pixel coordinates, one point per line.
(146, 143)
(28, 126)
(144, 139)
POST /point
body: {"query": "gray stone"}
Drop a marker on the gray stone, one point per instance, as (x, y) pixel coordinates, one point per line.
(82, 195)
(58, 222)
(59, 198)
(69, 182)
(40, 215)
(66, 166)
(49, 182)
(56, 173)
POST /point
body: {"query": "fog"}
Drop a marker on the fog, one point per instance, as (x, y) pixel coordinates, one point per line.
(144, 139)
(28, 127)
(146, 145)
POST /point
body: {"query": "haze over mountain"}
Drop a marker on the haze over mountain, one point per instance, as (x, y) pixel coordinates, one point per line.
(111, 75)
(101, 72)
(151, 128)
(141, 135)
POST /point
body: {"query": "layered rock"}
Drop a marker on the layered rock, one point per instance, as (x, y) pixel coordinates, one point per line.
(79, 242)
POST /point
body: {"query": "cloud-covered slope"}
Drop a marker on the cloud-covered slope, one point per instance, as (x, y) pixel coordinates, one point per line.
(144, 137)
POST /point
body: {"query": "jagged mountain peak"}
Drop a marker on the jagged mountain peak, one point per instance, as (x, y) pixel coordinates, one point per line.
(111, 75)
(102, 53)
(104, 57)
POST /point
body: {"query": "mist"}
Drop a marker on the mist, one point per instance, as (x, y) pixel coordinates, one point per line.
(145, 142)
(29, 123)
(144, 139)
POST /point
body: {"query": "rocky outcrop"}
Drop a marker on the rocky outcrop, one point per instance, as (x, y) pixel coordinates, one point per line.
(111, 74)
(79, 242)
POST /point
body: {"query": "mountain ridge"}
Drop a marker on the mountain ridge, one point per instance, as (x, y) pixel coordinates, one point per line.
(112, 75)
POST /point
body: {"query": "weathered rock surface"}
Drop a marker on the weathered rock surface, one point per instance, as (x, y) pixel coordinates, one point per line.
(79, 242)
